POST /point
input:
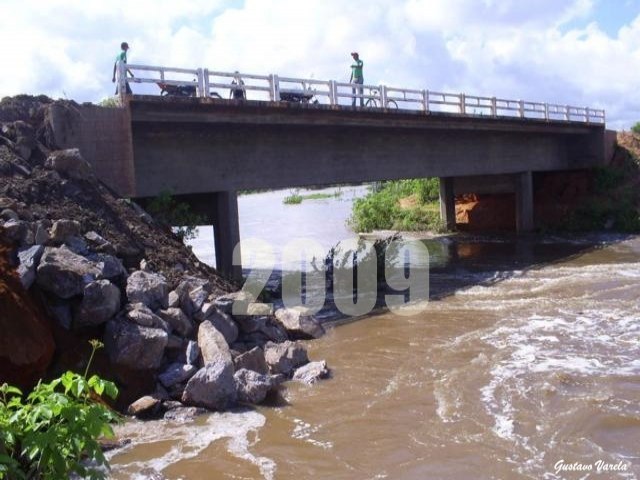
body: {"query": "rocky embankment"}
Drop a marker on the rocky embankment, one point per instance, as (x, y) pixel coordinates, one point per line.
(77, 262)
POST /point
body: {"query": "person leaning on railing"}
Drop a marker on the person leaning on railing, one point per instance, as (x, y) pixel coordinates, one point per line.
(357, 77)
(237, 93)
(122, 57)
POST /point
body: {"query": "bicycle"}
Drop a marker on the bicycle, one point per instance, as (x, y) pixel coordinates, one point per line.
(374, 98)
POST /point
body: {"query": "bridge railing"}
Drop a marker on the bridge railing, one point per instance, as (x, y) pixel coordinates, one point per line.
(209, 83)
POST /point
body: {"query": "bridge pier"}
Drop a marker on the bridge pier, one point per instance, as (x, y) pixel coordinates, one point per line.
(447, 203)
(524, 202)
(226, 233)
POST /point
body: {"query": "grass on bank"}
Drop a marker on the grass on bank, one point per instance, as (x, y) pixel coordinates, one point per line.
(408, 205)
(295, 198)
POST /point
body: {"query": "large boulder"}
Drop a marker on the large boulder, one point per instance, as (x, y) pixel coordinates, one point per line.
(64, 272)
(151, 289)
(29, 259)
(252, 387)
(213, 387)
(144, 407)
(176, 373)
(212, 343)
(69, 163)
(284, 357)
(252, 360)
(312, 372)
(135, 346)
(178, 321)
(142, 315)
(100, 302)
(62, 230)
(225, 325)
(262, 325)
(299, 324)
(193, 293)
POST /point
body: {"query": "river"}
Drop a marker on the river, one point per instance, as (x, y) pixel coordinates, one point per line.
(525, 365)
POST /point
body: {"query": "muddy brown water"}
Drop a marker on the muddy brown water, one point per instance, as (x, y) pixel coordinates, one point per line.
(525, 364)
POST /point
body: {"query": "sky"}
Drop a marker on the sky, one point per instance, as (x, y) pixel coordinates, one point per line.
(577, 52)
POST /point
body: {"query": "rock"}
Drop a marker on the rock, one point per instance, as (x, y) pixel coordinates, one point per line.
(69, 163)
(174, 299)
(149, 288)
(77, 245)
(312, 372)
(213, 387)
(8, 214)
(175, 343)
(176, 373)
(64, 272)
(252, 360)
(284, 357)
(62, 230)
(262, 325)
(142, 315)
(110, 266)
(16, 231)
(225, 302)
(29, 259)
(135, 346)
(144, 407)
(192, 353)
(178, 321)
(99, 244)
(42, 232)
(184, 414)
(298, 325)
(225, 325)
(207, 309)
(212, 343)
(100, 302)
(252, 387)
(193, 293)
(61, 312)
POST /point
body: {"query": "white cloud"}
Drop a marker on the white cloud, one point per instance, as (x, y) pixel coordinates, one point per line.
(507, 48)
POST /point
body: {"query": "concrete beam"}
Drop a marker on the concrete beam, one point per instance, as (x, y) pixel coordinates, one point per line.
(447, 203)
(524, 202)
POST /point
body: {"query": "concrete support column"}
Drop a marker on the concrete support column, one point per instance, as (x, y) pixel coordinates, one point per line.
(447, 202)
(524, 202)
(226, 232)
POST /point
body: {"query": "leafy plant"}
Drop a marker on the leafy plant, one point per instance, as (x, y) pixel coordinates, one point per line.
(47, 435)
(172, 213)
(636, 128)
(294, 199)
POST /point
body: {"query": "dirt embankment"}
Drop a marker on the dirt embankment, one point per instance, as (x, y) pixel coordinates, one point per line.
(32, 198)
(573, 200)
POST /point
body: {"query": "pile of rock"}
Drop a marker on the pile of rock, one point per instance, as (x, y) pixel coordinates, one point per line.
(172, 326)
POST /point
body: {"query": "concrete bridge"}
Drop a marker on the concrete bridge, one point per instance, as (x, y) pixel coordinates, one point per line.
(204, 150)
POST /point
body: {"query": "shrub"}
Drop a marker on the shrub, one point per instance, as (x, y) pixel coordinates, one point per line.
(172, 213)
(636, 128)
(48, 434)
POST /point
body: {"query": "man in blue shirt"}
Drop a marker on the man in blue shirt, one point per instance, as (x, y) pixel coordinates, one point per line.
(357, 77)
(122, 57)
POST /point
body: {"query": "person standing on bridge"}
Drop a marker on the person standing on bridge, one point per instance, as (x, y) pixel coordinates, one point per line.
(122, 57)
(357, 78)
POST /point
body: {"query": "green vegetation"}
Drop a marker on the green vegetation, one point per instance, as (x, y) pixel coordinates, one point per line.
(49, 434)
(399, 205)
(636, 128)
(295, 198)
(109, 102)
(172, 213)
(613, 205)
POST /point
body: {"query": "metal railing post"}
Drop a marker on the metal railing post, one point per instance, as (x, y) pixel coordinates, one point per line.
(205, 75)
(546, 111)
(383, 96)
(586, 114)
(333, 90)
(494, 107)
(275, 87)
(567, 116)
(200, 78)
(425, 100)
(521, 108)
(463, 104)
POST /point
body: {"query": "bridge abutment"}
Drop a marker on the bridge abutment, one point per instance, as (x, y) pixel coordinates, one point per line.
(226, 234)
(524, 202)
(447, 202)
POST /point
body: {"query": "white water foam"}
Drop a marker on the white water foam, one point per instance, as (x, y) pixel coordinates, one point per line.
(192, 438)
